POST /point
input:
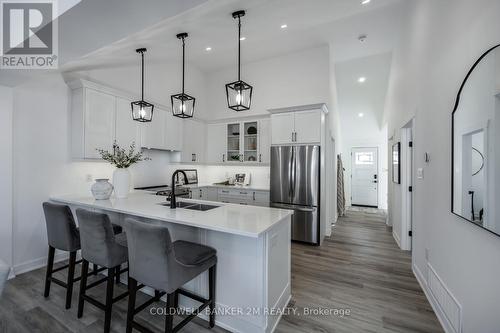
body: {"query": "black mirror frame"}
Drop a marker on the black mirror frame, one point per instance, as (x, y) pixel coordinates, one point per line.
(457, 103)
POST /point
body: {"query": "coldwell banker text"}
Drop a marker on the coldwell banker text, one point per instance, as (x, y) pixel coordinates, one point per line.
(29, 34)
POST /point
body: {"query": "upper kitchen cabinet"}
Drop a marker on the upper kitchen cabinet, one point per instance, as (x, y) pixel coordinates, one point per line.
(297, 125)
(216, 143)
(174, 133)
(93, 121)
(127, 130)
(153, 133)
(265, 141)
(164, 132)
(194, 137)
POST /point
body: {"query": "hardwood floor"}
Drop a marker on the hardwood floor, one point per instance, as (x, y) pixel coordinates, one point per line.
(359, 270)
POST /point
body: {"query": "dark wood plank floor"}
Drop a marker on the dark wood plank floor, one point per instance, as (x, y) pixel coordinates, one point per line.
(359, 270)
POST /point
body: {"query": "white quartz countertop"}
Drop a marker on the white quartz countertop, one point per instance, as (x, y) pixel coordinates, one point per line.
(241, 220)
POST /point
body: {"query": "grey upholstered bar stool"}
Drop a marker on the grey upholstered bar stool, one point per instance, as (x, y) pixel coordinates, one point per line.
(63, 235)
(102, 247)
(157, 262)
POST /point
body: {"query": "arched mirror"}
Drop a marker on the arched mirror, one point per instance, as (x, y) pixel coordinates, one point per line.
(476, 145)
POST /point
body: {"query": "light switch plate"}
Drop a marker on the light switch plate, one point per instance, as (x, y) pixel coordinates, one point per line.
(420, 173)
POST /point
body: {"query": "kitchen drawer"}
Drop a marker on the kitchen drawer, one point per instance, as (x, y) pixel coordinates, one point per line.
(236, 193)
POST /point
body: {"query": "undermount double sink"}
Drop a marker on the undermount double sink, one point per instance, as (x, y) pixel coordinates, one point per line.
(191, 206)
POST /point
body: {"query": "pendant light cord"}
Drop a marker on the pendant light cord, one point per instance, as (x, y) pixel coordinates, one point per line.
(183, 63)
(142, 75)
(239, 48)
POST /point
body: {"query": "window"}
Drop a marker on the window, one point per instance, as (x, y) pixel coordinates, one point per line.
(364, 158)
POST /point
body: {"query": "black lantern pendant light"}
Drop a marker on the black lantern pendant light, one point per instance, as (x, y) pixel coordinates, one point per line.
(141, 110)
(183, 104)
(239, 93)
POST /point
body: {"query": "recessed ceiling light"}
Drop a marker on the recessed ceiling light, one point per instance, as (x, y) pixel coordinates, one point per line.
(365, 2)
(208, 49)
(361, 115)
(362, 80)
(243, 38)
(284, 26)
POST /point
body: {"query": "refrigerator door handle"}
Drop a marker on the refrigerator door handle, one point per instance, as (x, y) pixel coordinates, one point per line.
(292, 207)
(290, 177)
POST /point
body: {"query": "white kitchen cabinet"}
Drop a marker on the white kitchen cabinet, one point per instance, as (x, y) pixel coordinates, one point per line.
(282, 128)
(173, 132)
(261, 198)
(308, 126)
(127, 130)
(297, 127)
(93, 122)
(243, 196)
(265, 141)
(153, 133)
(193, 145)
(216, 143)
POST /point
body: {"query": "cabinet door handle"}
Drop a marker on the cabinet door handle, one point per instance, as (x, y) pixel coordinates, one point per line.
(225, 191)
(292, 136)
(223, 157)
(243, 192)
(260, 158)
(193, 157)
(253, 196)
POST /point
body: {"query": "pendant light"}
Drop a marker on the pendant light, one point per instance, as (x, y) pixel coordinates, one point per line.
(141, 110)
(183, 104)
(239, 93)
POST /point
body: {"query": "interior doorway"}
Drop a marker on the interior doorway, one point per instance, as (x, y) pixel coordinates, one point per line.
(364, 177)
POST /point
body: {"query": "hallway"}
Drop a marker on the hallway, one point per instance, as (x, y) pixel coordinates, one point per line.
(360, 269)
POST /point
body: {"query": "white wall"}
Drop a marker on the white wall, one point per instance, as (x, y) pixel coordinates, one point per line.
(441, 41)
(294, 79)
(6, 108)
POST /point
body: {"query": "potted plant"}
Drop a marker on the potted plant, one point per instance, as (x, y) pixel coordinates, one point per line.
(122, 160)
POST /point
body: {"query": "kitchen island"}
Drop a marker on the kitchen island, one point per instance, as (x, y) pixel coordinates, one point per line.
(253, 249)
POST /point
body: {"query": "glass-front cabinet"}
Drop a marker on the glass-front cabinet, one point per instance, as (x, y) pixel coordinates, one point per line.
(233, 142)
(243, 142)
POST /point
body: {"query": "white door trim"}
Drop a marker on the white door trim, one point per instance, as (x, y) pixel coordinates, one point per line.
(406, 182)
(378, 174)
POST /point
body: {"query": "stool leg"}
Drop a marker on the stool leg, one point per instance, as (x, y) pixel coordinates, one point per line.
(169, 317)
(83, 286)
(117, 273)
(109, 300)
(71, 277)
(95, 269)
(211, 293)
(176, 299)
(50, 267)
(132, 290)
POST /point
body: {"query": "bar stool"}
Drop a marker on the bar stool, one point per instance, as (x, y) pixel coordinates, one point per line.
(102, 247)
(157, 262)
(63, 235)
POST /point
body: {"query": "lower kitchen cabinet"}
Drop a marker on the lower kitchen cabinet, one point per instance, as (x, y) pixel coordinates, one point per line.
(231, 195)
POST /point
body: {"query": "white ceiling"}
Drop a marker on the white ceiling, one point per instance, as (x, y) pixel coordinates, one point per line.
(367, 98)
(86, 26)
(310, 23)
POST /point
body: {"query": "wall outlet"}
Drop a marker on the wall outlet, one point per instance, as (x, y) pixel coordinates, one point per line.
(89, 178)
(420, 173)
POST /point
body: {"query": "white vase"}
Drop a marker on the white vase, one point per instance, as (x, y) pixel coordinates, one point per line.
(101, 189)
(121, 182)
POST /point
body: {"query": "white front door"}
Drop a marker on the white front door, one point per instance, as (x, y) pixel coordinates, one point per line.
(364, 177)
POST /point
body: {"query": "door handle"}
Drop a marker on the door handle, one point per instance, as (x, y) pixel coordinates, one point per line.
(299, 209)
(223, 157)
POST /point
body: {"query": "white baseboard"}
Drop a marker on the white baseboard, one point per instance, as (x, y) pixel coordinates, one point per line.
(443, 320)
(396, 238)
(31, 265)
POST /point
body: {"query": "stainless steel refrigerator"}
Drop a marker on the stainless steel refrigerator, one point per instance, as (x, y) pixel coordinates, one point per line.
(295, 185)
